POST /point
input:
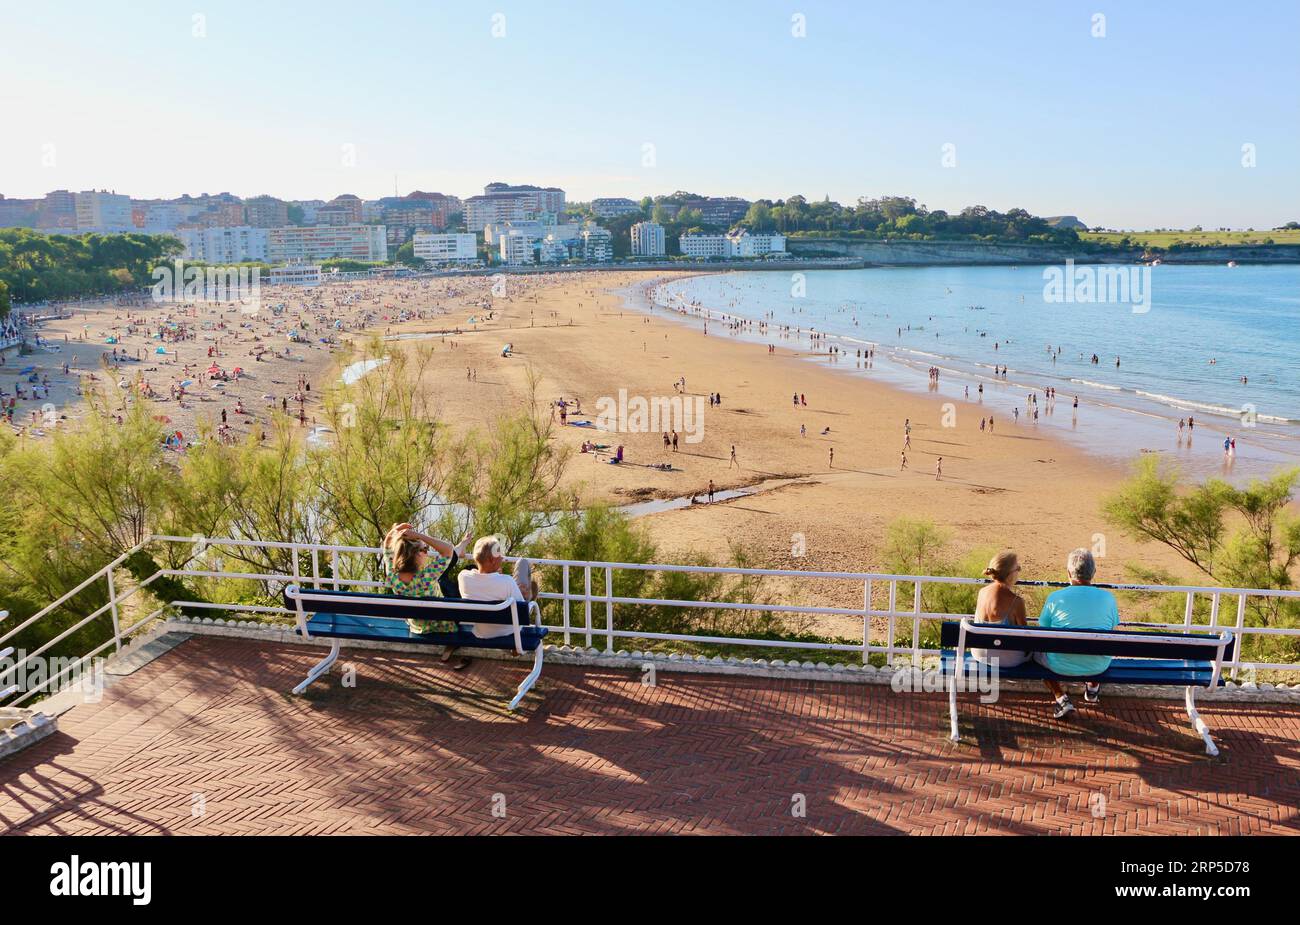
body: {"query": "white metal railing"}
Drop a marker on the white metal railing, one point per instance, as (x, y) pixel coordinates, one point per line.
(892, 631)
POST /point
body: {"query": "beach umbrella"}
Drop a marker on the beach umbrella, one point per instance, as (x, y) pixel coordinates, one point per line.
(28, 369)
(187, 383)
(161, 350)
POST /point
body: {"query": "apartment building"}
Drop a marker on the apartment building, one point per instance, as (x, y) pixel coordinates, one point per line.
(225, 245)
(517, 248)
(648, 240)
(597, 244)
(440, 247)
(58, 211)
(102, 211)
(614, 207)
(737, 244)
(266, 212)
(501, 203)
(323, 242)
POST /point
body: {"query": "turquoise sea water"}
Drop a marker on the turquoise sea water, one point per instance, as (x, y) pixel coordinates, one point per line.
(1245, 319)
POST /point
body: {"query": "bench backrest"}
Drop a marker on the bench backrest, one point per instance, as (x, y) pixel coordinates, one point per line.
(370, 604)
(1119, 643)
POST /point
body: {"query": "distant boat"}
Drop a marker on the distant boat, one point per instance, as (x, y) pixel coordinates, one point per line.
(1232, 263)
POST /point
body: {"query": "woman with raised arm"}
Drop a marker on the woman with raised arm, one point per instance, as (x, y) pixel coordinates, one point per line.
(417, 563)
(999, 602)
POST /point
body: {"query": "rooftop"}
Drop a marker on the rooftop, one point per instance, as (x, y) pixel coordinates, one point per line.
(206, 739)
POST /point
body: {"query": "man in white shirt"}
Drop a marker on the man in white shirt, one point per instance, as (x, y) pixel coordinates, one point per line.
(489, 583)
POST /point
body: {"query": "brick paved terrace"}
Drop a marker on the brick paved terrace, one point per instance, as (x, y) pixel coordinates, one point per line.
(417, 748)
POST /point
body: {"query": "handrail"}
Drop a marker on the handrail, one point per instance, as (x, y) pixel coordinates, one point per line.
(907, 606)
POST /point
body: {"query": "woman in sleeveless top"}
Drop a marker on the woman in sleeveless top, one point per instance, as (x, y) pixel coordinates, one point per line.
(1000, 603)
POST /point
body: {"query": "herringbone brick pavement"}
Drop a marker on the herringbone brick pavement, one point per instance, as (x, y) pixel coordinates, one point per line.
(206, 740)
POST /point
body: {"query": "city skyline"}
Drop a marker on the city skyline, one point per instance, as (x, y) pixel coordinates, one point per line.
(1028, 107)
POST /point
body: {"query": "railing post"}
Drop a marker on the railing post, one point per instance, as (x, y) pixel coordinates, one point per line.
(565, 576)
(315, 568)
(586, 580)
(112, 604)
(916, 625)
(334, 567)
(893, 609)
(866, 621)
(1241, 622)
(1188, 609)
(609, 609)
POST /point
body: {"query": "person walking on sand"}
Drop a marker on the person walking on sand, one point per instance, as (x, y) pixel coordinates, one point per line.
(832, 457)
(903, 465)
(710, 491)
(733, 461)
(938, 469)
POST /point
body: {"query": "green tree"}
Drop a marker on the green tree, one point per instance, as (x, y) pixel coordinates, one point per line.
(1239, 537)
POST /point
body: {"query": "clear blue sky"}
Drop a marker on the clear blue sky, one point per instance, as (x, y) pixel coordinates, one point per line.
(1142, 128)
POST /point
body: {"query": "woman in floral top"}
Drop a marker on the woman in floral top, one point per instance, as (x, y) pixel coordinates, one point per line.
(416, 562)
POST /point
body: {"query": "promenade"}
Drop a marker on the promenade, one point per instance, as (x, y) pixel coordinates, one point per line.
(206, 740)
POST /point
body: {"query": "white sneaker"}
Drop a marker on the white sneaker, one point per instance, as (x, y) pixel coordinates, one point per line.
(1063, 708)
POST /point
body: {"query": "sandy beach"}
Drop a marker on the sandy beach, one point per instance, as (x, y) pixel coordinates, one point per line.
(1013, 487)
(196, 360)
(577, 332)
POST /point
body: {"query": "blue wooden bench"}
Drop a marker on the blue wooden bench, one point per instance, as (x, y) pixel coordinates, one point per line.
(340, 615)
(1187, 660)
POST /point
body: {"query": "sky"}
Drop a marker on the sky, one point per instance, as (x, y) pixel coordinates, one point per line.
(1180, 113)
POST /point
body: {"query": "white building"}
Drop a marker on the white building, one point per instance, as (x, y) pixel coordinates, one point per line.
(162, 217)
(445, 248)
(240, 244)
(597, 244)
(296, 274)
(744, 244)
(738, 244)
(501, 203)
(517, 248)
(703, 246)
(323, 242)
(103, 211)
(648, 240)
(554, 250)
(613, 207)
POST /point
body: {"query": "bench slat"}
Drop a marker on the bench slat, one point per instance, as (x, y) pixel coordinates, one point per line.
(352, 626)
(363, 603)
(1177, 673)
(986, 636)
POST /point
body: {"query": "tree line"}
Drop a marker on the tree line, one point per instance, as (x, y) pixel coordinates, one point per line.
(36, 267)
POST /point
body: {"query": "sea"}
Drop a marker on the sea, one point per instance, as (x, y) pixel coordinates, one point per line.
(1219, 345)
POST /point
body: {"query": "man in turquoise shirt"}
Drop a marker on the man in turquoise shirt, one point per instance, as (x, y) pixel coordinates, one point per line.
(1078, 607)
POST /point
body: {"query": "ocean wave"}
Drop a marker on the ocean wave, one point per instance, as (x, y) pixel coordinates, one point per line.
(1188, 404)
(1098, 385)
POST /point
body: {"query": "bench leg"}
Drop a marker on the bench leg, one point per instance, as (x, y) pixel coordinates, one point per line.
(319, 668)
(531, 679)
(952, 705)
(1204, 730)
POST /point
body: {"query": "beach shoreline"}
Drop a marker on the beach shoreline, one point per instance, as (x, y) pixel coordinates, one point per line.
(783, 499)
